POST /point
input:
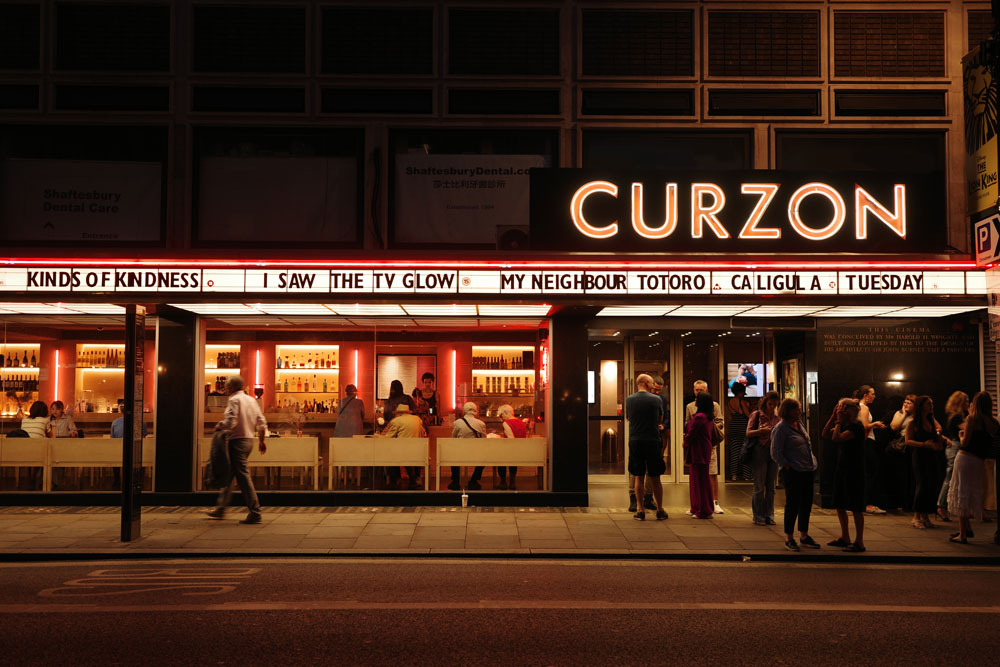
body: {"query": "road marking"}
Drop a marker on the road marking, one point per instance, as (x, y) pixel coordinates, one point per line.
(494, 605)
(193, 581)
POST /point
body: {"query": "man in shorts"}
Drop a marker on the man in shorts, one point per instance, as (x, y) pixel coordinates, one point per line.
(720, 422)
(644, 411)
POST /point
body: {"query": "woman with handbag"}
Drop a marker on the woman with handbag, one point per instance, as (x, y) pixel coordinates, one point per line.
(758, 453)
(792, 450)
(699, 436)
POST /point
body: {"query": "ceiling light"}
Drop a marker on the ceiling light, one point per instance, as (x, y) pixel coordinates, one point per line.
(524, 310)
(365, 308)
(635, 311)
(439, 309)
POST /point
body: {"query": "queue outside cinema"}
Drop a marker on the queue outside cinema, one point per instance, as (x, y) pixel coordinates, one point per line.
(954, 467)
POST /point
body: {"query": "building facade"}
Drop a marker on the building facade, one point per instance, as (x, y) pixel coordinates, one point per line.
(388, 189)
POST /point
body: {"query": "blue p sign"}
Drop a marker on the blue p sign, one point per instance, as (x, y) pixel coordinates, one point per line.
(983, 237)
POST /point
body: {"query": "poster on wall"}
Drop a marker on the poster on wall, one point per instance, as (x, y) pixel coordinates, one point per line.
(407, 368)
(82, 201)
(790, 379)
(278, 199)
(749, 375)
(460, 198)
(980, 95)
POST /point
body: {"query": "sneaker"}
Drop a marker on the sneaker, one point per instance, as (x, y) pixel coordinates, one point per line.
(791, 545)
(688, 512)
(770, 521)
(808, 541)
(639, 516)
(453, 486)
(874, 509)
(474, 485)
(217, 513)
(252, 518)
(718, 508)
(632, 503)
(647, 502)
(661, 515)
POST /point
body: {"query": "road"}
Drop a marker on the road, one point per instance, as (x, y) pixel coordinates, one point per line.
(571, 612)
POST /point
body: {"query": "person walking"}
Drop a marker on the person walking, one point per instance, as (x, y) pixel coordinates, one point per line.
(845, 429)
(793, 452)
(979, 435)
(865, 396)
(512, 428)
(765, 470)
(956, 410)
(698, 454)
(923, 439)
(720, 423)
(467, 426)
(242, 419)
(644, 412)
(738, 411)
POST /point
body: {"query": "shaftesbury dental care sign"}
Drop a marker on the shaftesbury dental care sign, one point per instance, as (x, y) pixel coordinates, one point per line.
(765, 212)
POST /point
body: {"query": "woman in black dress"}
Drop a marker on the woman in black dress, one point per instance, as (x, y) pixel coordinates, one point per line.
(845, 429)
(923, 437)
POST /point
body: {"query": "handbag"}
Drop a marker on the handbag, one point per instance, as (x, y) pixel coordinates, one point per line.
(897, 445)
(748, 442)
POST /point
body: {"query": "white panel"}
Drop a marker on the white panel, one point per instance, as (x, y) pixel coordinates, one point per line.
(435, 282)
(780, 311)
(932, 311)
(293, 309)
(562, 282)
(975, 282)
(217, 308)
(857, 311)
(13, 280)
(944, 282)
(479, 282)
(97, 308)
(298, 282)
(708, 311)
(818, 282)
(389, 281)
(264, 280)
(440, 309)
(635, 311)
(365, 309)
(521, 282)
(606, 282)
(515, 310)
(223, 280)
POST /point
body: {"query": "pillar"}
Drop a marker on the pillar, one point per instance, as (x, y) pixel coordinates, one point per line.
(178, 392)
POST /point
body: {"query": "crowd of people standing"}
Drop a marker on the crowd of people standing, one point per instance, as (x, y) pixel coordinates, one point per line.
(909, 460)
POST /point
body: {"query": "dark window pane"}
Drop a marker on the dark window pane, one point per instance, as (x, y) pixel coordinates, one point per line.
(763, 43)
(638, 102)
(113, 38)
(249, 39)
(15, 96)
(638, 43)
(378, 40)
(764, 103)
(890, 103)
(891, 152)
(667, 149)
(494, 41)
(19, 36)
(503, 102)
(980, 27)
(899, 44)
(112, 98)
(261, 100)
(371, 100)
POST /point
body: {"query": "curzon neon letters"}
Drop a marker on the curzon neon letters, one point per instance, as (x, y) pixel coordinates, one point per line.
(708, 202)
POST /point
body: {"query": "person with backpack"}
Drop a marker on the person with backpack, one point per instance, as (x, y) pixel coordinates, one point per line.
(467, 426)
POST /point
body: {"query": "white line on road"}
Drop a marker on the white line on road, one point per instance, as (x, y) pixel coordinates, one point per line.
(495, 605)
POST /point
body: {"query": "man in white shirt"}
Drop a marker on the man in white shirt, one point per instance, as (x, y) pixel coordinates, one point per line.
(720, 422)
(243, 419)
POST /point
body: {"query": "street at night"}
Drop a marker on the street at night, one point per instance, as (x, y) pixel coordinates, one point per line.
(559, 612)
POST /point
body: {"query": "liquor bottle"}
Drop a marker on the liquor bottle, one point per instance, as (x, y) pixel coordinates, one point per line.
(24, 361)
(10, 362)
(3, 361)
(277, 360)
(324, 385)
(315, 384)
(305, 386)
(286, 385)
(277, 387)
(299, 384)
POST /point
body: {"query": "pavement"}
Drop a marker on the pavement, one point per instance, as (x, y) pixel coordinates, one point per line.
(588, 532)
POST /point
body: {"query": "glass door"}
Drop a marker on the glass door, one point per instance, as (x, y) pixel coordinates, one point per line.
(605, 398)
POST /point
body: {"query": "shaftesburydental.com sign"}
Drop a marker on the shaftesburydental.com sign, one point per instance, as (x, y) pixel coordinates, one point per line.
(350, 283)
(751, 212)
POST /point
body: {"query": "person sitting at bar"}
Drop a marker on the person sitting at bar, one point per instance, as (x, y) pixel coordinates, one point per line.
(61, 424)
(467, 426)
(396, 396)
(404, 425)
(36, 424)
(512, 428)
(118, 428)
(350, 414)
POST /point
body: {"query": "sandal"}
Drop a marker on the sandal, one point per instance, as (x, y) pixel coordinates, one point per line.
(759, 522)
(942, 514)
(919, 524)
(855, 548)
(958, 540)
(968, 533)
(839, 542)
